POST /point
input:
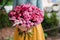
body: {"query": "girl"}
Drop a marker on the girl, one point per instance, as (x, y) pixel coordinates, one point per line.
(38, 33)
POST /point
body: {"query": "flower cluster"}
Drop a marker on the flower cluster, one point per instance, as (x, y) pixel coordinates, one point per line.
(26, 15)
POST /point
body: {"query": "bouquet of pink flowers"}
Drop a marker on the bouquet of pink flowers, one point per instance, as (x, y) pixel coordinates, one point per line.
(26, 15)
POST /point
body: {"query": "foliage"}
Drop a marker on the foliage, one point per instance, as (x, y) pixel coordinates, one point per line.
(46, 35)
(4, 20)
(51, 22)
(9, 2)
(1, 1)
(9, 38)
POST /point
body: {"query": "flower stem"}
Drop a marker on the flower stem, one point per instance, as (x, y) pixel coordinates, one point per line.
(24, 36)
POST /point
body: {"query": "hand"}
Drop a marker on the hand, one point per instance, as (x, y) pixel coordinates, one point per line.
(22, 28)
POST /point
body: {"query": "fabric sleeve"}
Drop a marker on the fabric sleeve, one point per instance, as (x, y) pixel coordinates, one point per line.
(39, 4)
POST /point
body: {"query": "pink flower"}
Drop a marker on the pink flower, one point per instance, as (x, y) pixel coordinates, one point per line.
(30, 9)
(28, 26)
(26, 5)
(13, 18)
(26, 15)
(32, 24)
(17, 8)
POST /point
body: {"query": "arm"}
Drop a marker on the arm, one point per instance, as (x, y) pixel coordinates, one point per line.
(19, 2)
(33, 2)
(39, 4)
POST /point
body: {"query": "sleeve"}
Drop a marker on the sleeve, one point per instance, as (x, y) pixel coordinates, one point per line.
(33, 2)
(19, 2)
(22, 2)
(39, 4)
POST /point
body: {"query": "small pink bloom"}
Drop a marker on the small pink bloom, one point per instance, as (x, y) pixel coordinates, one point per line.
(30, 9)
(28, 26)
